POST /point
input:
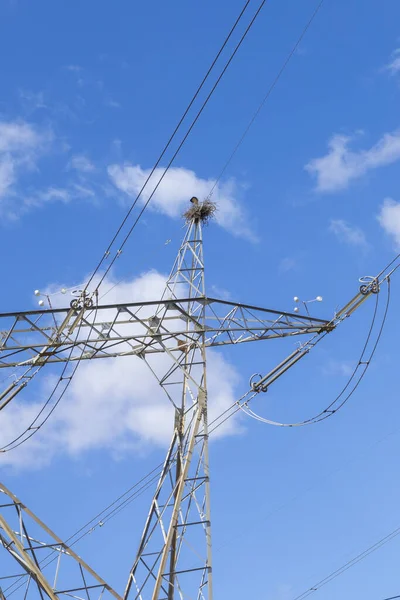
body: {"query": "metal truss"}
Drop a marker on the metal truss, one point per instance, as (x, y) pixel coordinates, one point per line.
(36, 338)
(41, 565)
(31, 339)
(28, 341)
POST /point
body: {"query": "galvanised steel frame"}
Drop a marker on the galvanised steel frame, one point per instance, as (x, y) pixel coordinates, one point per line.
(174, 556)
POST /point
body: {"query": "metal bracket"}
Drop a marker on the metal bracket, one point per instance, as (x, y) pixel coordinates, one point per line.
(369, 285)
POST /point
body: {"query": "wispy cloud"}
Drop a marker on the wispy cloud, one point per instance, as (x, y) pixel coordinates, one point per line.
(389, 219)
(112, 103)
(7, 175)
(32, 101)
(220, 292)
(74, 68)
(87, 80)
(340, 166)
(334, 368)
(53, 193)
(348, 234)
(394, 64)
(21, 145)
(83, 191)
(81, 163)
(20, 137)
(177, 187)
(287, 264)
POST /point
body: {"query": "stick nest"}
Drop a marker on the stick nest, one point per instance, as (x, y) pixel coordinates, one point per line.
(201, 211)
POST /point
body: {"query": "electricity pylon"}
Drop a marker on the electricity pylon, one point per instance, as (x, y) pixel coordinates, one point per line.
(171, 335)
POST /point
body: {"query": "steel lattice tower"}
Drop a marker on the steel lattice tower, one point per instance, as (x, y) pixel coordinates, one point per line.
(174, 558)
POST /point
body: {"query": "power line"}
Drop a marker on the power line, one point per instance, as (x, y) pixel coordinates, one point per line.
(363, 364)
(267, 95)
(179, 124)
(349, 564)
(32, 427)
(169, 164)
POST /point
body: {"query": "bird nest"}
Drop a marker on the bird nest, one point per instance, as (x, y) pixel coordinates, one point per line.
(200, 211)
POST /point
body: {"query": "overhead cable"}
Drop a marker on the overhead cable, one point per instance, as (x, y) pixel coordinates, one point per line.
(265, 98)
(194, 121)
(361, 368)
(349, 564)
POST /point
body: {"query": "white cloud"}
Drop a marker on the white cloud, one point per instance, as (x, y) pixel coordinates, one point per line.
(112, 404)
(287, 264)
(338, 367)
(7, 175)
(82, 191)
(81, 163)
(21, 144)
(41, 197)
(389, 219)
(340, 165)
(112, 103)
(178, 186)
(74, 68)
(348, 234)
(53, 193)
(394, 65)
(216, 291)
(19, 137)
(32, 100)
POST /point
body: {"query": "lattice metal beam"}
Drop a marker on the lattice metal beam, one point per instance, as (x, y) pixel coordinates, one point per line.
(33, 339)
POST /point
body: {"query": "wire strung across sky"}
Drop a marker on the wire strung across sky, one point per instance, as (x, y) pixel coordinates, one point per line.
(265, 98)
(349, 564)
(361, 367)
(175, 154)
(32, 428)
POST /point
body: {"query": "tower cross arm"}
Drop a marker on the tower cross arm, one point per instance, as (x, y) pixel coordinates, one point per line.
(234, 323)
(32, 339)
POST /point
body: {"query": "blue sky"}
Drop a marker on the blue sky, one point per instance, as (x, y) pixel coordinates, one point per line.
(90, 92)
